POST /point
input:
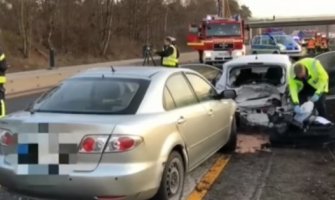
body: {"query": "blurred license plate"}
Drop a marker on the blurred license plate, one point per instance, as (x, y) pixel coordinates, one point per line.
(223, 54)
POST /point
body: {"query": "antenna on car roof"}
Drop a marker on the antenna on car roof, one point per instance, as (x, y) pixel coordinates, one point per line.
(112, 68)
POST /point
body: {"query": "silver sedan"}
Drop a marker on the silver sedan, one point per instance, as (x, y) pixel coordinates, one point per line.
(120, 133)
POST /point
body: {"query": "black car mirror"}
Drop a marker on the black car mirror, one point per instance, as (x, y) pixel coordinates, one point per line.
(228, 94)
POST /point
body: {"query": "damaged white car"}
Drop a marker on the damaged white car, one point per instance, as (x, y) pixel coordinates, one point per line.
(260, 82)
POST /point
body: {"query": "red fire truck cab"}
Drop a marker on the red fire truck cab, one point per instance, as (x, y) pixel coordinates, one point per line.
(217, 39)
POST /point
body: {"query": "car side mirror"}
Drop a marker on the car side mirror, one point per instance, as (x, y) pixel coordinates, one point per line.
(228, 94)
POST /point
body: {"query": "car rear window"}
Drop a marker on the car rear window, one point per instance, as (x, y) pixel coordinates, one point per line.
(256, 74)
(94, 96)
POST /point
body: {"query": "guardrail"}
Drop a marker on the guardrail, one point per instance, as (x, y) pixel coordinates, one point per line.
(29, 82)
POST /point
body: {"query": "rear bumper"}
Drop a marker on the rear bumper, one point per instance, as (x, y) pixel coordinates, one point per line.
(133, 183)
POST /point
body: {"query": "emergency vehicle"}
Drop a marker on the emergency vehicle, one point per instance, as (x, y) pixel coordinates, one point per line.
(217, 39)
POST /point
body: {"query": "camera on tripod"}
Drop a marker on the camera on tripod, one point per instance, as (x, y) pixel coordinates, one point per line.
(147, 49)
(147, 55)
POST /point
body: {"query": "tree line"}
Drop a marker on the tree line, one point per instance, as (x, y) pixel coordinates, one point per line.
(112, 29)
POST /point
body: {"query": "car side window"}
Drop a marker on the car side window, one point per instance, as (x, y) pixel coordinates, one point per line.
(202, 89)
(265, 40)
(256, 41)
(180, 90)
(168, 100)
(272, 41)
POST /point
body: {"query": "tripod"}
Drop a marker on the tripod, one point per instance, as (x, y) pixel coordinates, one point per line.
(147, 54)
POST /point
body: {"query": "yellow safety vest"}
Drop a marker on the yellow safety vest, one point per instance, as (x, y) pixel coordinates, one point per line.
(3, 108)
(2, 78)
(319, 79)
(171, 61)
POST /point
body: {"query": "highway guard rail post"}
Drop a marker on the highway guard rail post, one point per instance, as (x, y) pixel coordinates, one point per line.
(29, 82)
(51, 58)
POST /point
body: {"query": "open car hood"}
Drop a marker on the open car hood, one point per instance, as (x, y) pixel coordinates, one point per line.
(256, 95)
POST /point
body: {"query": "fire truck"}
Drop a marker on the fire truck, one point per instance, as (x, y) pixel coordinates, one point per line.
(217, 39)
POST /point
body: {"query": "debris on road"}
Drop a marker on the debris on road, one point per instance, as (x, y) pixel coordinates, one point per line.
(252, 143)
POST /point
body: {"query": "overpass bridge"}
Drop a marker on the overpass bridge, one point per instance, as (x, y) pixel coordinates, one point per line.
(253, 24)
(286, 22)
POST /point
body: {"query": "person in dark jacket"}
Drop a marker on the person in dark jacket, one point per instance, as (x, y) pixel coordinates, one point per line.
(169, 54)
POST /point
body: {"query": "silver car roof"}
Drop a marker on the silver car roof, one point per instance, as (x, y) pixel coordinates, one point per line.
(128, 72)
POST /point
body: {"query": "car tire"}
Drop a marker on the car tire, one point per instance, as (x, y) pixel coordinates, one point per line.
(254, 52)
(232, 142)
(172, 183)
(275, 52)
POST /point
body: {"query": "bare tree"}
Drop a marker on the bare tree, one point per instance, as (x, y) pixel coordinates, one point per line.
(107, 26)
(99, 28)
(25, 25)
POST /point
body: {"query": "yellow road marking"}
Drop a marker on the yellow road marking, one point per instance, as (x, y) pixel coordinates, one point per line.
(208, 179)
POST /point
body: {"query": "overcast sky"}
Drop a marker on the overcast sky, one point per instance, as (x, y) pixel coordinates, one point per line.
(288, 8)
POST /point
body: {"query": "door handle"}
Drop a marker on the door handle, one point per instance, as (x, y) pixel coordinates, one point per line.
(181, 120)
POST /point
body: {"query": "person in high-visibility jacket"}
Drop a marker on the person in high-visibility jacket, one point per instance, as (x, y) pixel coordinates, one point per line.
(169, 54)
(174, 43)
(3, 69)
(309, 81)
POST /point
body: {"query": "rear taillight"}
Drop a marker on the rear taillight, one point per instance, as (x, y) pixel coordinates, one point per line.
(121, 143)
(93, 143)
(238, 45)
(106, 143)
(7, 138)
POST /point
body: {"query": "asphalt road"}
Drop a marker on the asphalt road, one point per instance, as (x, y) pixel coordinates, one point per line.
(20, 103)
(283, 174)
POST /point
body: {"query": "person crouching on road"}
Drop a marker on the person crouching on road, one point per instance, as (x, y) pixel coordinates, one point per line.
(309, 82)
(169, 54)
(3, 69)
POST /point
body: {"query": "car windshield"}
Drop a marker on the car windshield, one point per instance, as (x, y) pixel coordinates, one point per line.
(253, 74)
(223, 30)
(94, 96)
(283, 39)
